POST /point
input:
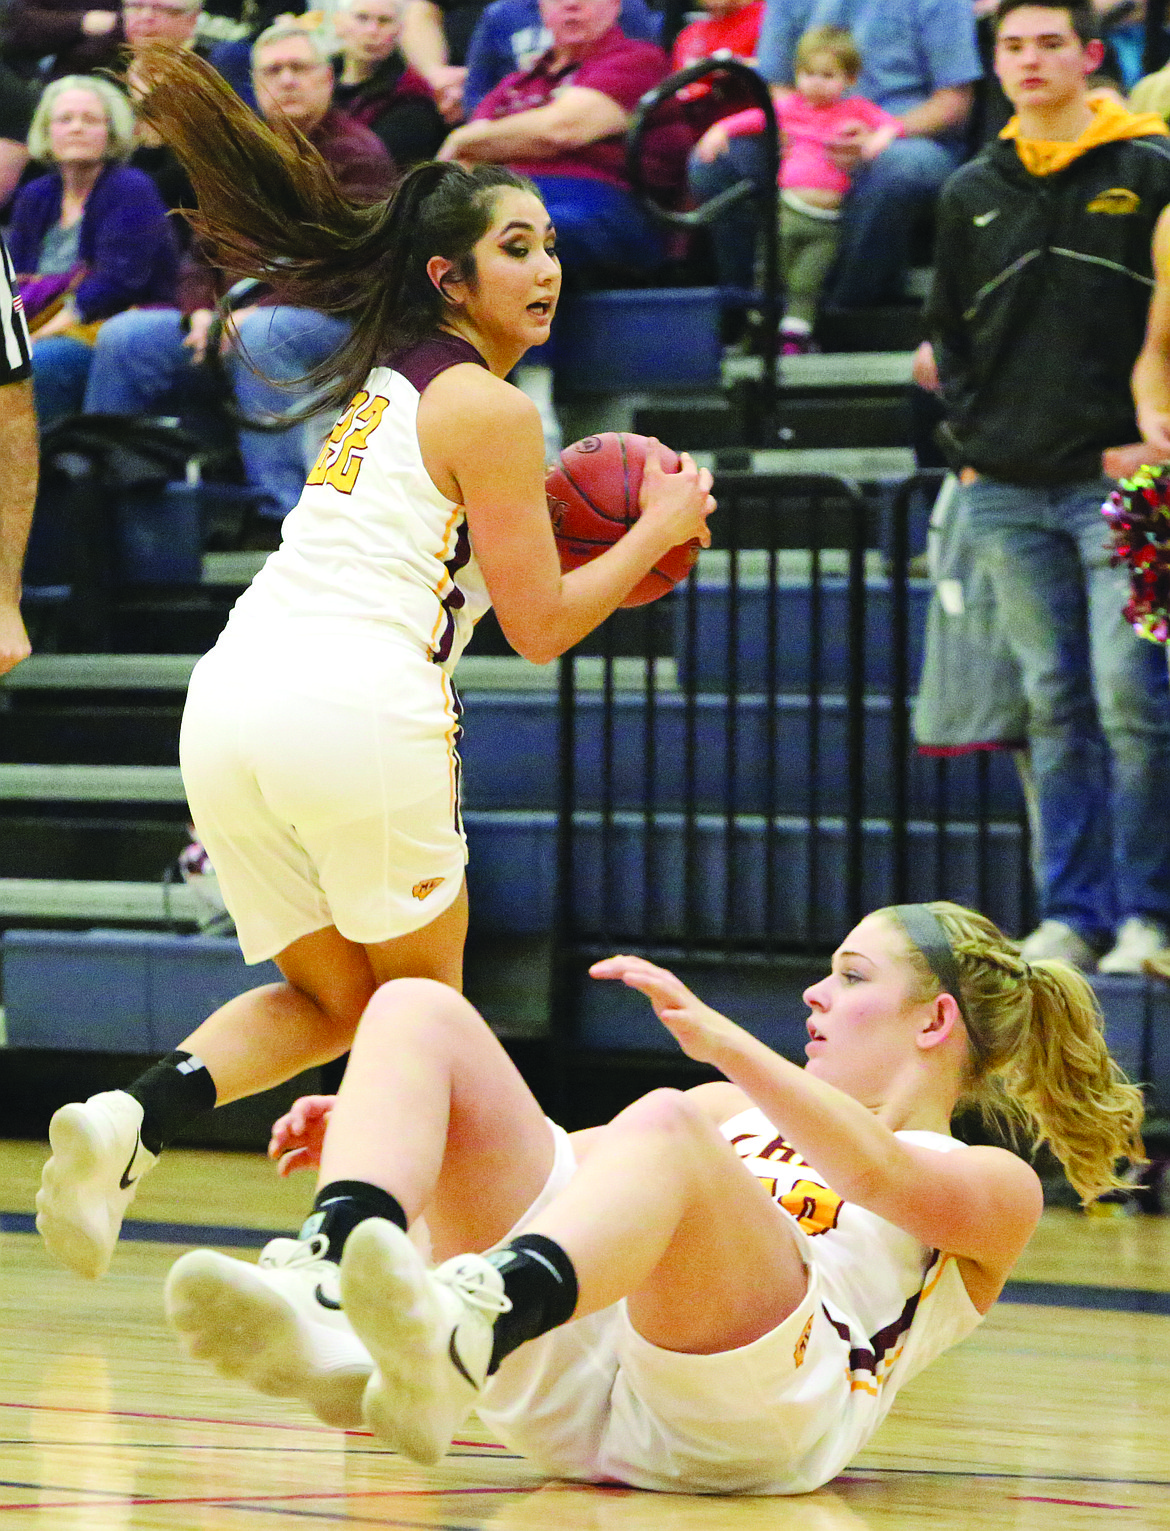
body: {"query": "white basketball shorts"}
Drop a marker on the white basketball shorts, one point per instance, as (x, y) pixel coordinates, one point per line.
(594, 1401)
(323, 779)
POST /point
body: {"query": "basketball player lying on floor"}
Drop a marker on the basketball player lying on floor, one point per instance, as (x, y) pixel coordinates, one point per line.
(721, 1290)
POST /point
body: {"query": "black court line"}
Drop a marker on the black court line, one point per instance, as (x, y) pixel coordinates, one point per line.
(859, 1474)
(1108, 1299)
(145, 1232)
(1043, 1294)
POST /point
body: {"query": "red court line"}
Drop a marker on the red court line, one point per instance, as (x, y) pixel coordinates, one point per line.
(258, 1499)
(1088, 1504)
(202, 1419)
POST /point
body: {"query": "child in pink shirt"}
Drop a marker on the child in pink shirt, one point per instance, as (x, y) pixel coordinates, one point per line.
(813, 118)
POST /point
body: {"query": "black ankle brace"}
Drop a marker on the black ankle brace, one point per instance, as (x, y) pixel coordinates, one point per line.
(172, 1094)
(541, 1283)
(341, 1205)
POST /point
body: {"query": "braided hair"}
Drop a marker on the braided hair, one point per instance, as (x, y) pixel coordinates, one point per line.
(1037, 1055)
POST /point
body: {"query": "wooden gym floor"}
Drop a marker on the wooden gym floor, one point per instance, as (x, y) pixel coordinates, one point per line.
(1055, 1416)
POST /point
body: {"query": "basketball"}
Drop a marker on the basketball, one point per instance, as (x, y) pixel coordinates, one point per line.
(593, 500)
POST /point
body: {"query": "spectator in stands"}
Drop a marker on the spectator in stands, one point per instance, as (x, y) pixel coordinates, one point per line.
(511, 36)
(89, 239)
(562, 122)
(174, 22)
(1056, 219)
(730, 26)
(18, 465)
(812, 184)
(435, 37)
(147, 357)
(376, 86)
(50, 38)
(994, 110)
(160, 21)
(919, 63)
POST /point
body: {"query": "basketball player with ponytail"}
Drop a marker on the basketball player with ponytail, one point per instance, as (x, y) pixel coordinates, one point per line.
(318, 744)
(721, 1290)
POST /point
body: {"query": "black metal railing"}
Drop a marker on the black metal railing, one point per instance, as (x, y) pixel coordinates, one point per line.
(738, 774)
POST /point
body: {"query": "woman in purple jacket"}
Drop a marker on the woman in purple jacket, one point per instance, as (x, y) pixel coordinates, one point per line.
(89, 239)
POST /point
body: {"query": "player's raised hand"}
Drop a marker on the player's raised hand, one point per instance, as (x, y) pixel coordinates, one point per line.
(299, 1135)
(682, 500)
(702, 1033)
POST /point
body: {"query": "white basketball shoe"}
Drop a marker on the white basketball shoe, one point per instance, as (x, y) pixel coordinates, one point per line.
(277, 1325)
(90, 1180)
(428, 1331)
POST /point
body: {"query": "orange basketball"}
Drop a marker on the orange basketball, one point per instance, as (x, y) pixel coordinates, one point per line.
(593, 500)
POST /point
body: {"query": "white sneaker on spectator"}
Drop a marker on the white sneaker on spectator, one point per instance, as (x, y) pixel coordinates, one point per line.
(1053, 938)
(90, 1180)
(1138, 941)
(277, 1325)
(430, 1333)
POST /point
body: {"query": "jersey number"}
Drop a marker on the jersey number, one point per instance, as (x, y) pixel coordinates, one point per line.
(340, 459)
(815, 1207)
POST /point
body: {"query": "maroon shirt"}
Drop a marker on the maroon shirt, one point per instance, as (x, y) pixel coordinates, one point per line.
(356, 155)
(618, 66)
(363, 169)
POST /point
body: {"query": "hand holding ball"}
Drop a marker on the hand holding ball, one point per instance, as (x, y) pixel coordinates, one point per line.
(595, 496)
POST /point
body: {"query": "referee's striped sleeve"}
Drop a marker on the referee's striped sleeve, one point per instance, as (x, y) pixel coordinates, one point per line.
(15, 355)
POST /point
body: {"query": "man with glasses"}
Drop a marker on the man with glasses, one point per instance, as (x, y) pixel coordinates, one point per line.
(377, 87)
(160, 21)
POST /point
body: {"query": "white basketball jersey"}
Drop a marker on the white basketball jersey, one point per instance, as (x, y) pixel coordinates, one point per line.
(371, 538)
(899, 1303)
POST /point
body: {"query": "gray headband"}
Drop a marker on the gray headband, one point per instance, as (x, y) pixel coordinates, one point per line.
(928, 933)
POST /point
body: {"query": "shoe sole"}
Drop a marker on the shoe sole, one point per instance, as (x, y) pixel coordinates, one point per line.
(224, 1312)
(77, 1166)
(386, 1295)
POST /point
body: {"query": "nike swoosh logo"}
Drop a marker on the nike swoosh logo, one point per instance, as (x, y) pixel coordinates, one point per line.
(326, 1302)
(458, 1364)
(981, 220)
(125, 1183)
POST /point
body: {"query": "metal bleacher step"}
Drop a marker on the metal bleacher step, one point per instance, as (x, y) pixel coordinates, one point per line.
(477, 672)
(140, 903)
(90, 783)
(852, 399)
(864, 465)
(830, 369)
(231, 568)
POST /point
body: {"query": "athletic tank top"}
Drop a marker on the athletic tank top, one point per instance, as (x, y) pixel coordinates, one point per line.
(897, 1302)
(371, 538)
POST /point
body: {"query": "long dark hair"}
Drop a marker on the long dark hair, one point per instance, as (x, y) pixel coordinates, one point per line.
(270, 207)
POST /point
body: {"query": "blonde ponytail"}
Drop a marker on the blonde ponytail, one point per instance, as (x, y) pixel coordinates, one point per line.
(1039, 1062)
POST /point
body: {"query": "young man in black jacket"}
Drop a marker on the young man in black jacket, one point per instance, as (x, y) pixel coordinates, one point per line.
(1044, 271)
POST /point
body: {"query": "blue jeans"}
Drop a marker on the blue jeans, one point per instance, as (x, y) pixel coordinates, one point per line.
(877, 217)
(877, 220)
(1098, 703)
(140, 365)
(733, 235)
(60, 366)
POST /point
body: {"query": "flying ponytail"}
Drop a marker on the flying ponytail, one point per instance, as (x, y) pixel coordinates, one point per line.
(270, 207)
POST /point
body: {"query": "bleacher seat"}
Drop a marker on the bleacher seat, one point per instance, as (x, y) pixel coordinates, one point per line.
(624, 340)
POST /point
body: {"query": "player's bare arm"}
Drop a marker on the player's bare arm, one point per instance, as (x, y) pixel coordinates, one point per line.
(18, 492)
(981, 1205)
(1151, 373)
(493, 464)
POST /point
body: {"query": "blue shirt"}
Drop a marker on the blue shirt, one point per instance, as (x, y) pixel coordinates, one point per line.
(909, 48)
(510, 36)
